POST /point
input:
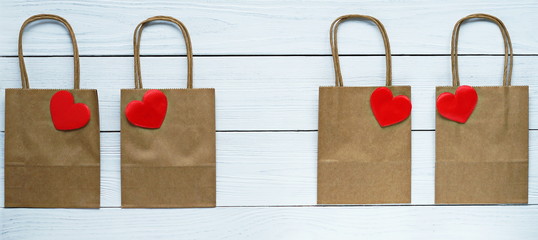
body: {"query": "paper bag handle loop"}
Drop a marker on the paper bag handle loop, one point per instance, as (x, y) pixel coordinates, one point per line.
(136, 43)
(508, 51)
(334, 46)
(22, 66)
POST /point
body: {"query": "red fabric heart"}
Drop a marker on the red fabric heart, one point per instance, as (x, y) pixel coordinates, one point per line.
(150, 112)
(389, 110)
(66, 114)
(457, 107)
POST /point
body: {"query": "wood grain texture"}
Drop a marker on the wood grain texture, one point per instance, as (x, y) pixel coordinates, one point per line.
(266, 177)
(372, 222)
(105, 27)
(269, 93)
(280, 168)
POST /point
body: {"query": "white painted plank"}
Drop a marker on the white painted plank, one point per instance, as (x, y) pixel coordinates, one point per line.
(273, 169)
(406, 222)
(268, 93)
(105, 27)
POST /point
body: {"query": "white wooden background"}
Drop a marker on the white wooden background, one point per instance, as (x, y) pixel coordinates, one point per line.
(266, 60)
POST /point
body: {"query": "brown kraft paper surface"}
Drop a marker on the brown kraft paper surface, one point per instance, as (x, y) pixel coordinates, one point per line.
(45, 167)
(484, 160)
(360, 162)
(173, 166)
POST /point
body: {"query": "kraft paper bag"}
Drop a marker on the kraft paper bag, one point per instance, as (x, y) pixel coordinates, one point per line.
(51, 141)
(364, 137)
(482, 136)
(168, 151)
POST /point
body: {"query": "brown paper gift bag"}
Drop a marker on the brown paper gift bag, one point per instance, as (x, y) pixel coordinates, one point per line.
(51, 158)
(482, 159)
(169, 162)
(359, 161)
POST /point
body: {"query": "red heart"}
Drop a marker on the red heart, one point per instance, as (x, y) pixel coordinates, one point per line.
(457, 107)
(66, 114)
(148, 113)
(389, 110)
